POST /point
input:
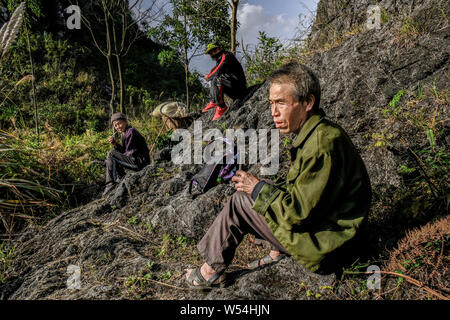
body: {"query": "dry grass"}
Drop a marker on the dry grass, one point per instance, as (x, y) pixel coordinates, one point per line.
(10, 29)
(423, 255)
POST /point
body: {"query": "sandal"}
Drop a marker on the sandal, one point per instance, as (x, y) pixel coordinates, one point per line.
(203, 284)
(267, 261)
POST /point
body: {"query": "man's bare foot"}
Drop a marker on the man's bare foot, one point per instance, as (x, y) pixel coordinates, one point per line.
(207, 272)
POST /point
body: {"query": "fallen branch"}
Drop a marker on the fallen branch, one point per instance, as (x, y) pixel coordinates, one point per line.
(137, 235)
(407, 278)
(438, 261)
(116, 224)
(157, 282)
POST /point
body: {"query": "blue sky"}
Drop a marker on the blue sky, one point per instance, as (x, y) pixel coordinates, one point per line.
(278, 18)
(288, 7)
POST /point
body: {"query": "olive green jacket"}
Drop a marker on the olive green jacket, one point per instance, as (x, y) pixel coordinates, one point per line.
(323, 199)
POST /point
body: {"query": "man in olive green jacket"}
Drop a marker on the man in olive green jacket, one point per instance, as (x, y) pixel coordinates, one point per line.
(312, 211)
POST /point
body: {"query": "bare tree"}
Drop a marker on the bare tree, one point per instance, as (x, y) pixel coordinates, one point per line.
(122, 21)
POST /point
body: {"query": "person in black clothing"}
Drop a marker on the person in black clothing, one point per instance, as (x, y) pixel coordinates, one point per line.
(227, 77)
(132, 154)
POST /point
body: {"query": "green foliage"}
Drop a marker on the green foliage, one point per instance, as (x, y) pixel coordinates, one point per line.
(164, 140)
(33, 9)
(153, 75)
(355, 280)
(182, 241)
(193, 24)
(264, 59)
(419, 93)
(167, 58)
(405, 170)
(385, 15)
(410, 27)
(393, 104)
(141, 101)
(41, 177)
(6, 256)
(70, 83)
(287, 142)
(430, 135)
(425, 169)
(67, 99)
(24, 190)
(187, 31)
(133, 221)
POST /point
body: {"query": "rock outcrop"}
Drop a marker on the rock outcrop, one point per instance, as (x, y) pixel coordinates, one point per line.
(361, 72)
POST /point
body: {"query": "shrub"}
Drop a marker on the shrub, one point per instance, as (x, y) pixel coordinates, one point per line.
(263, 59)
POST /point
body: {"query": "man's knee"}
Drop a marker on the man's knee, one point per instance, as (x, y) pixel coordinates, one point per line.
(242, 201)
(109, 160)
(110, 155)
(235, 202)
(239, 196)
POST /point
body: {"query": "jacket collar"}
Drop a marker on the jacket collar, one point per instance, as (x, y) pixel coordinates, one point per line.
(308, 127)
(128, 127)
(219, 55)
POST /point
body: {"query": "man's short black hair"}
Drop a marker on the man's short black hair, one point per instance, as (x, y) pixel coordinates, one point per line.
(302, 78)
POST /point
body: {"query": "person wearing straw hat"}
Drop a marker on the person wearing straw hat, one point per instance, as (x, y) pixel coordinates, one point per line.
(227, 77)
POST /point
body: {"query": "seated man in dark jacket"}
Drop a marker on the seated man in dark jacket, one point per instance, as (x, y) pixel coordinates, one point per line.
(132, 154)
(227, 77)
(312, 211)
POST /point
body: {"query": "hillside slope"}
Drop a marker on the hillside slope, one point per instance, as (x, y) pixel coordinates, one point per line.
(387, 87)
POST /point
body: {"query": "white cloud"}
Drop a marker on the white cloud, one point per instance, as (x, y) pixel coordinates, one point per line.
(254, 18)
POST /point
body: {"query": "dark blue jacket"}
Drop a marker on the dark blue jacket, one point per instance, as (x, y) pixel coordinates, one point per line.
(134, 146)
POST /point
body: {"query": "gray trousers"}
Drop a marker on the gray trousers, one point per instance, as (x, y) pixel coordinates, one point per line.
(226, 84)
(115, 164)
(236, 219)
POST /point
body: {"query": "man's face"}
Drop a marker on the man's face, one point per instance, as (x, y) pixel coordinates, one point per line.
(214, 52)
(288, 113)
(120, 125)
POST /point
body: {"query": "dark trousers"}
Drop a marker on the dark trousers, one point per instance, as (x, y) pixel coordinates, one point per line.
(115, 164)
(236, 219)
(226, 84)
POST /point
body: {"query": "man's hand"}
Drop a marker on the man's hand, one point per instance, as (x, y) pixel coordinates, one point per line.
(112, 141)
(205, 77)
(245, 182)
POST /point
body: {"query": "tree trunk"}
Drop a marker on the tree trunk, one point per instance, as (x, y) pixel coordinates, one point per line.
(234, 25)
(121, 85)
(186, 66)
(113, 86)
(117, 54)
(36, 117)
(108, 58)
(186, 78)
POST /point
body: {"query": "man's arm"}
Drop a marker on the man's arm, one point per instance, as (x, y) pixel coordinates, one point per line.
(218, 67)
(116, 145)
(257, 189)
(133, 143)
(312, 186)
